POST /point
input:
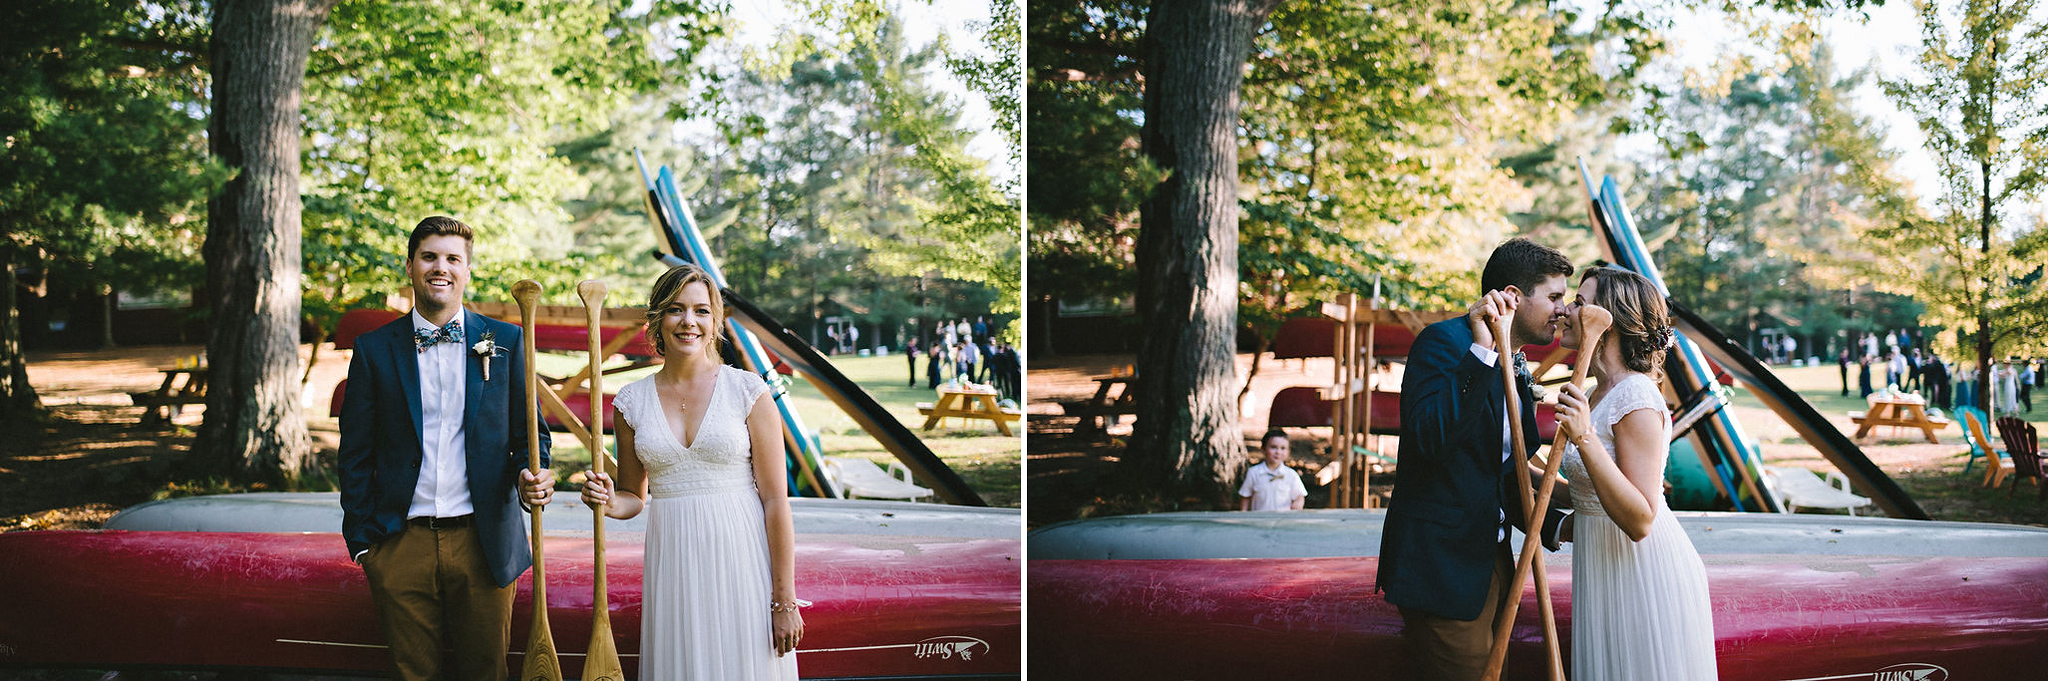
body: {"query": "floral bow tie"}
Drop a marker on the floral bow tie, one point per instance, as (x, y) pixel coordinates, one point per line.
(1522, 367)
(426, 338)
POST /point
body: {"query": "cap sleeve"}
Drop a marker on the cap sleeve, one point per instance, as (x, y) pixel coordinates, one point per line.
(751, 385)
(1635, 394)
(622, 403)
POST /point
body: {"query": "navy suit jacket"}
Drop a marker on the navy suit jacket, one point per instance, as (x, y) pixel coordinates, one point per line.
(381, 449)
(1437, 550)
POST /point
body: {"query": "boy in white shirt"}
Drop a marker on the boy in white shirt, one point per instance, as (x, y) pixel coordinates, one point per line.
(1272, 486)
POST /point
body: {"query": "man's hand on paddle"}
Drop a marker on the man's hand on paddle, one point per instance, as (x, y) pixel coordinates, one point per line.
(1494, 305)
(536, 490)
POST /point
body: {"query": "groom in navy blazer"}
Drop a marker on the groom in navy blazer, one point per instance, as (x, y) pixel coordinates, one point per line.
(433, 469)
(1444, 558)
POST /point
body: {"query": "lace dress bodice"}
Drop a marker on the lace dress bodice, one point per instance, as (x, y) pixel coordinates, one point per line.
(1635, 391)
(721, 458)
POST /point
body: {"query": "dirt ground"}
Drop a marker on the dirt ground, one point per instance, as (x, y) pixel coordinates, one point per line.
(92, 456)
(1066, 475)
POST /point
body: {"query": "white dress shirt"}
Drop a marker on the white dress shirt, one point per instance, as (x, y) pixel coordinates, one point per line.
(443, 488)
(1507, 436)
(1272, 488)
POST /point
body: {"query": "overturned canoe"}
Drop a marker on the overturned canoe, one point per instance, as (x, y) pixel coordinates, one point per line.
(262, 582)
(1796, 597)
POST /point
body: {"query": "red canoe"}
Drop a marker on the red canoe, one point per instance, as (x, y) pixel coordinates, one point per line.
(900, 590)
(1290, 595)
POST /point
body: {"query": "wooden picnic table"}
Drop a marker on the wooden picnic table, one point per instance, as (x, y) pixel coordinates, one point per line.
(967, 404)
(167, 400)
(1107, 407)
(1909, 413)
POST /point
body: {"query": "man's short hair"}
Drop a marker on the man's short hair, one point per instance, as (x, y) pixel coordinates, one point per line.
(1523, 264)
(1270, 434)
(439, 225)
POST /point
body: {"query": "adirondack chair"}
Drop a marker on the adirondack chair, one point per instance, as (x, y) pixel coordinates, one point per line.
(1995, 460)
(2022, 441)
(1976, 452)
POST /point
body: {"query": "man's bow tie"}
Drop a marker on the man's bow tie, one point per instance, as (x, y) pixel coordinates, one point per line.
(426, 338)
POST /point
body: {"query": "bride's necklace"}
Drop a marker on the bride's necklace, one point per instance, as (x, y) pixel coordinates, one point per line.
(681, 390)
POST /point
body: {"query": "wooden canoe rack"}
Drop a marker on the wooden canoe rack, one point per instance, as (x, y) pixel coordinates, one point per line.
(564, 328)
(1353, 446)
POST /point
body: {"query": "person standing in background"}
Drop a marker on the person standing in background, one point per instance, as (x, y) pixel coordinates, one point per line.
(2004, 388)
(1935, 374)
(1841, 358)
(1863, 375)
(1913, 371)
(2026, 385)
(910, 351)
(1966, 384)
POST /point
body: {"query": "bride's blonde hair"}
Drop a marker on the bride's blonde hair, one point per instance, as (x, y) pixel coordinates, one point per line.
(1642, 321)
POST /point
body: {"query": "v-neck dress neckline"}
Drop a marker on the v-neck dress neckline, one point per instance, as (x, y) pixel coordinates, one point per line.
(710, 403)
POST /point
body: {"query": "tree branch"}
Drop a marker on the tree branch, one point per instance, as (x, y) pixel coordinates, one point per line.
(199, 52)
(337, 65)
(191, 68)
(1125, 50)
(1079, 76)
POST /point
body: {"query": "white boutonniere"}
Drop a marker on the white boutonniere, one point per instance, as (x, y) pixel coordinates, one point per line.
(486, 348)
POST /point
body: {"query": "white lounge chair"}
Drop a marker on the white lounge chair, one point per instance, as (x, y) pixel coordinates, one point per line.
(856, 478)
(1798, 487)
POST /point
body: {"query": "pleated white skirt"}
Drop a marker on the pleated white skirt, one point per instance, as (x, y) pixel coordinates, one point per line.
(1640, 610)
(704, 614)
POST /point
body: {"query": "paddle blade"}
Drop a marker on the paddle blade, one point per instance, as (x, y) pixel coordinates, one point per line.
(602, 664)
(542, 664)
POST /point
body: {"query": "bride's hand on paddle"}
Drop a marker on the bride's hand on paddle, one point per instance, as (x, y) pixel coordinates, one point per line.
(597, 490)
(1574, 417)
(789, 631)
(1480, 318)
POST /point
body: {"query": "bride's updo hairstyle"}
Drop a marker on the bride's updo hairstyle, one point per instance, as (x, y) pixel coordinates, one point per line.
(1642, 323)
(671, 285)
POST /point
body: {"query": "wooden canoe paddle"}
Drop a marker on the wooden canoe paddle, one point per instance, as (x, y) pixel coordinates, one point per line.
(1592, 324)
(541, 662)
(1520, 460)
(602, 662)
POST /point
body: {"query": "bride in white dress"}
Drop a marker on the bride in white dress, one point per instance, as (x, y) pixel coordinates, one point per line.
(719, 599)
(1640, 608)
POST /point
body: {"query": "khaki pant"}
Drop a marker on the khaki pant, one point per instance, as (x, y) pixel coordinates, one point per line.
(1445, 649)
(432, 588)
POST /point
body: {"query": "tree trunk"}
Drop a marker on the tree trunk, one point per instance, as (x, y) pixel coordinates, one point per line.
(17, 397)
(1186, 440)
(255, 430)
(108, 300)
(1984, 300)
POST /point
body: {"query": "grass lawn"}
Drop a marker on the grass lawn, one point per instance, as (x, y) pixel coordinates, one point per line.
(1931, 473)
(988, 461)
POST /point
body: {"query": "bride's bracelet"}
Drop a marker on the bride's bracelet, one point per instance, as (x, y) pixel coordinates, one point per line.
(790, 605)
